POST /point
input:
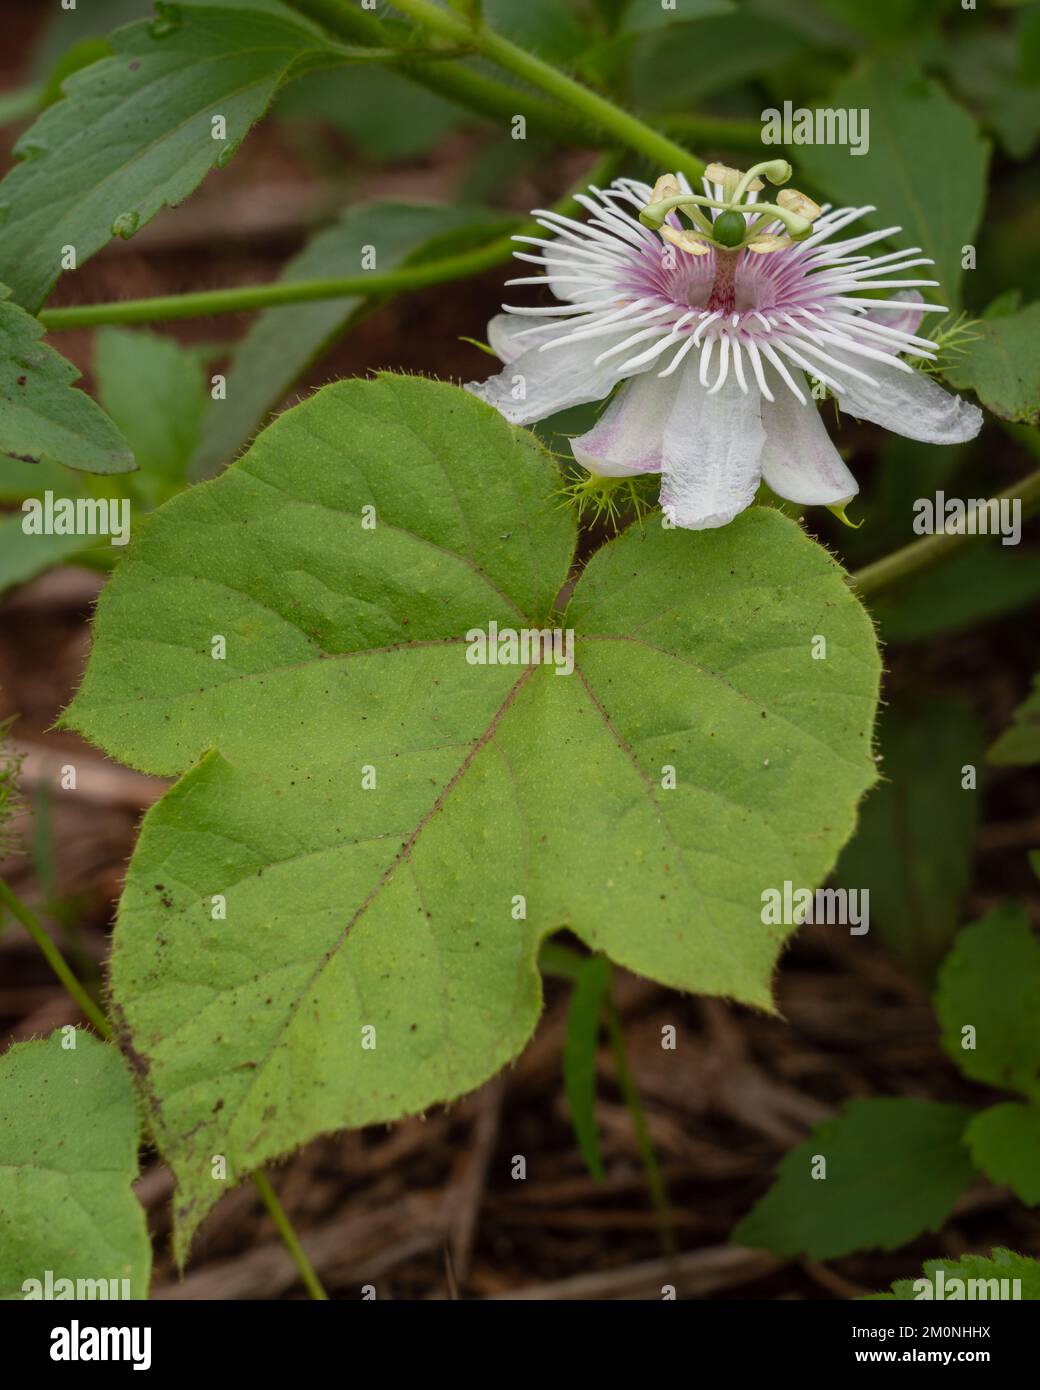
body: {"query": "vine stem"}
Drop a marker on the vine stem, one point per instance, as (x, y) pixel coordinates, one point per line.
(630, 1093)
(930, 550)
(55, 959)
(93, 1012)
(288, 1234)
(599, 110)
(370, 284)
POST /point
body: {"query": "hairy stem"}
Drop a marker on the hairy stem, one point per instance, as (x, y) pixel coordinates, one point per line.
(922, 554)
(93, 1012)
(370, 284)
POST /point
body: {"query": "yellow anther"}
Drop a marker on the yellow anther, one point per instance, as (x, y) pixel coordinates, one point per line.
(729, 178)
(686, 241)
(667, 186)
(794, 201)
(767, 242)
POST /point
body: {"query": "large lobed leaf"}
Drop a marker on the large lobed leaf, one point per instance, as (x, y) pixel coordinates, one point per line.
(133, 133)
(69, 1134)
(399, 906)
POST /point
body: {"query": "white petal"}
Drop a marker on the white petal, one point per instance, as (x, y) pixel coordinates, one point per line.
(706, 447)
(911, 404)
(537, 384)
(629, 436)
(503, 339)
(799, 461)
(909, 320)
(712, 447)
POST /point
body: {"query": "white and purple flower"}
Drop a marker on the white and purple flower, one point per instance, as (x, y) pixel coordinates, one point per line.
(716, 331)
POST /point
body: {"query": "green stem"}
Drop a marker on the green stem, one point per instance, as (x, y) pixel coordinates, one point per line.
(369, 285)
(91, 1010)
(599, 110)
(922, 554)
(248, 297)
(55, 959)
(288, 1234)
(654, 1177)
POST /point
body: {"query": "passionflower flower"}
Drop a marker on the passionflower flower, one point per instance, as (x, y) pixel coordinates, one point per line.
(720, 334)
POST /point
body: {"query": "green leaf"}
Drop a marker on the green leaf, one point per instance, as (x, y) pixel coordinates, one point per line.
(154, 390)
(134, 133)
(641, 17)
(677, 66)
(42, 419)
(549, 28)
(925, 169)
(281, 343)
(69, 1134)
(1019, 746)
(982, 68)
(1002, 1264)
(19, 479)
(591, 987)
(886, 21)
(605, 60)
(1005, 1144)
(914, 844)
(509, 800)
(990, 985)
(23, 557)
(894, 1169)
(68, 29)
(1002, 366)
